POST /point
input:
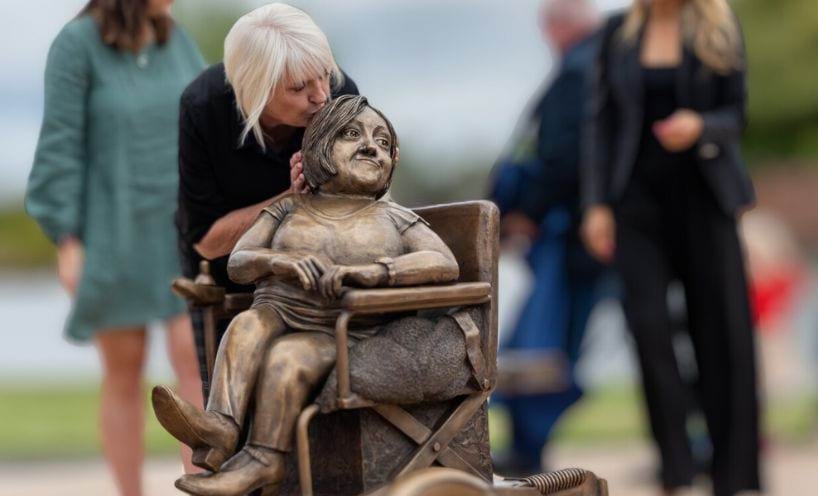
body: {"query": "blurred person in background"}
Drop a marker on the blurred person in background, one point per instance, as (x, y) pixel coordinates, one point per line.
(663, 184)
(241, 125)
(102, 188)
(538, 192)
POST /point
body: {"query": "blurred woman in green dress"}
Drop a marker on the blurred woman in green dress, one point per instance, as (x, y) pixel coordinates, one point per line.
(103, 188)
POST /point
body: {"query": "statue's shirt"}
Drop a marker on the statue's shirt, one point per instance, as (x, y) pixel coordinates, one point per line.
(361, 237)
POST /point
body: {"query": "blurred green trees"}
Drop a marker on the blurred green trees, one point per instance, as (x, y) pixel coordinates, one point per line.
(782, 48)
(208, 23)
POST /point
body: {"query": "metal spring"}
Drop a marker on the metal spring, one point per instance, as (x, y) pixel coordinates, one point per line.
(560, 480)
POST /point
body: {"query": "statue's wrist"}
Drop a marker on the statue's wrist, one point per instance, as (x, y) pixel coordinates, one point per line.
(389, 264)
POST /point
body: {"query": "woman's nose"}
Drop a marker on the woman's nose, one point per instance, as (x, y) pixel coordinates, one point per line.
(318, 95)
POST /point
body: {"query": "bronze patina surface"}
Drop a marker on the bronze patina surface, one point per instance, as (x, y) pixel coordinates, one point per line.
(301, 253)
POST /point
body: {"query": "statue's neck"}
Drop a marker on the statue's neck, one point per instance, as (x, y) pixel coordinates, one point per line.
(339, 204)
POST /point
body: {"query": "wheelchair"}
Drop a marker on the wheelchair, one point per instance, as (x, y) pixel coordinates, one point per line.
(441, 448)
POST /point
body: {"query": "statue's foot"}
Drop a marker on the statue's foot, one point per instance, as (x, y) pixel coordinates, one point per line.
(249, 469)
(211, 435)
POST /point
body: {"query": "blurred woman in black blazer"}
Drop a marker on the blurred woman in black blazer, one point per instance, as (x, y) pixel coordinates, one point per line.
(663, 183)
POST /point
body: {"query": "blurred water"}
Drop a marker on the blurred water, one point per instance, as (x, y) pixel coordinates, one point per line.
(34, 307)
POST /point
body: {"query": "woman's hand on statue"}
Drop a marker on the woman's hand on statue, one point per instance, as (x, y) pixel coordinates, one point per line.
(297, 182)
(599, 232)
(70, 256)
(679, 131)
(308, 269)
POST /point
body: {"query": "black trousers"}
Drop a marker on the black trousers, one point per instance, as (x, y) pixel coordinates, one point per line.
(197, 320)
(672, 229)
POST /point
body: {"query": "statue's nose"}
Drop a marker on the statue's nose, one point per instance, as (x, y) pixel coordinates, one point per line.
(367, 148)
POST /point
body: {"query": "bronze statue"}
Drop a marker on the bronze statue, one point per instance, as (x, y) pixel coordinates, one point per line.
(301, 253)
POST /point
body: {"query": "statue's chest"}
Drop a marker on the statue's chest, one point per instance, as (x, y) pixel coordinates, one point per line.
(346, 241)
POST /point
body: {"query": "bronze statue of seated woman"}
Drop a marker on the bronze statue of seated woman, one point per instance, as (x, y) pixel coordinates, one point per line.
(301, 253)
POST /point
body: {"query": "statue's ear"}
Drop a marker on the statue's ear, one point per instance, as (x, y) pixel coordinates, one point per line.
(397, 156)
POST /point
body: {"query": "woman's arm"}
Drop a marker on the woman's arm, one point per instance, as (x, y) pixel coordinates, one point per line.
(55, 190)
(201, 203)
(727, 121)
(598, 228)
(225, 233)
(597, 124)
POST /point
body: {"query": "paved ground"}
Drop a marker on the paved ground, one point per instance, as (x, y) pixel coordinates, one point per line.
(629, 469)
(789, 472)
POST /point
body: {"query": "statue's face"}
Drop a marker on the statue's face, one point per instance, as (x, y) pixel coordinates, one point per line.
(361, 156)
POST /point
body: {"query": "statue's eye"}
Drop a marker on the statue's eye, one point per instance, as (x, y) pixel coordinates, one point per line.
(351, 133)
(383, 142)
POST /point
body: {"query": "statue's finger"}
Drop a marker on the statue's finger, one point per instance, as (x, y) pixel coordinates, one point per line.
(315, 276)
(336, 285)
(318, 264)
(326, 282)
(314, 273)
(302, 275)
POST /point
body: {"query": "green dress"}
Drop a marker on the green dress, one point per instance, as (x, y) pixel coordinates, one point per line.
(105, 170)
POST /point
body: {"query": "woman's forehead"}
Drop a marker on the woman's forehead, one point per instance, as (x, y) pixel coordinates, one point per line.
(305, 69)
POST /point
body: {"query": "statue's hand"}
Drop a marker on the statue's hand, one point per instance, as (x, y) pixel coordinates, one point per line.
(367, 276)
(330, 283)
(308, 269)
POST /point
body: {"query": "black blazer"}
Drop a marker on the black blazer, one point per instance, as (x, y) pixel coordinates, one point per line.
(614, 113)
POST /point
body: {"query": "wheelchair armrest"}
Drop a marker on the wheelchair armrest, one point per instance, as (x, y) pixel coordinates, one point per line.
(384, 300)
(238, 302)
(198, 295)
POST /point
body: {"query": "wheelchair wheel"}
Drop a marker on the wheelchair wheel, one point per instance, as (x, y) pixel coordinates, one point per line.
(439, 481)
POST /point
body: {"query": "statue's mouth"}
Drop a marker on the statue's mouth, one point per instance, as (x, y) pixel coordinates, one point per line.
(368, 160)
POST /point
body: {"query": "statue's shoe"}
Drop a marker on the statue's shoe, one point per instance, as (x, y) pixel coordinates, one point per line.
(212, 436)
(249, 469)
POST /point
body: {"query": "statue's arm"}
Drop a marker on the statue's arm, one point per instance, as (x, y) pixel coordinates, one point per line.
(427, 259)
(252, 257)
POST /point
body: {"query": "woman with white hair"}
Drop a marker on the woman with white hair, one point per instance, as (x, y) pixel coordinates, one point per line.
(663, 187)
(240, 127)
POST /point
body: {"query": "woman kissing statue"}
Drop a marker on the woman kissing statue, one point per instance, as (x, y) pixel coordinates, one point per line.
(301, 253)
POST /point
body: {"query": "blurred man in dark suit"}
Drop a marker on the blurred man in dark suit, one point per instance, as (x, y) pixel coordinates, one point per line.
(537, 189)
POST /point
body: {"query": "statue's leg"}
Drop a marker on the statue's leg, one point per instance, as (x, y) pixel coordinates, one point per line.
(295, 365)
(213, 433)
(240, 355)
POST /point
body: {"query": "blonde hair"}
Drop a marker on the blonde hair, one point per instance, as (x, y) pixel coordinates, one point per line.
(266, 46)
(708, 26)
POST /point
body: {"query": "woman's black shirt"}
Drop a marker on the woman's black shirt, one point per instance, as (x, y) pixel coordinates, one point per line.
(216, 174)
